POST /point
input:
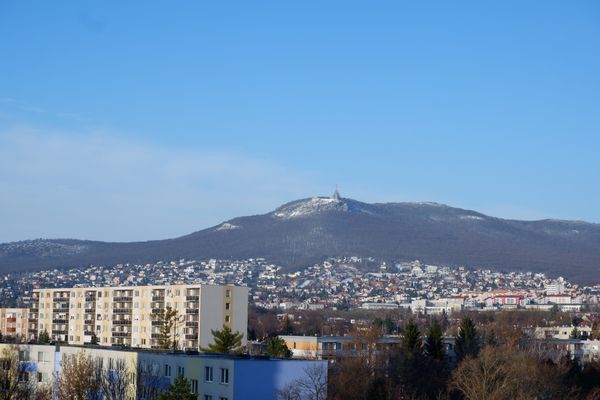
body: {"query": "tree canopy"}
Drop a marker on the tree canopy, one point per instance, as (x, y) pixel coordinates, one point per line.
(180, 389)
(411, 336)
(277, 348)
(434, 343)
(467, 342)
(225, 341)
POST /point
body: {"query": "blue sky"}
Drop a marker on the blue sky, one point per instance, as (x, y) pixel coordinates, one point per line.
(138, 120)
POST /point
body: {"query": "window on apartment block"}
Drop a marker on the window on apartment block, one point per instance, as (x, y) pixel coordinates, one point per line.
(208, 397)
(227, 305)
(222, 398)
(180, 371)
(224, 375)
(40, 377)
(194, 386)
(41, 357)
(23, 377)
(227, 292)
(167, 370)
(227, 318)
(208, 374)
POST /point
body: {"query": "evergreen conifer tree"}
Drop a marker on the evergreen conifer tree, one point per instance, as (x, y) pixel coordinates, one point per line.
(434, 344)
(411, 336)
(180, 389)
(225, 341)
(467, 342)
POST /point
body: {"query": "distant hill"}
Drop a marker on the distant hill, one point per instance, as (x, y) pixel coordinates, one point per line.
(306, 231)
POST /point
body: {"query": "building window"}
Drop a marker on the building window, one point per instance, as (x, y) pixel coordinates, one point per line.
(227, 306)
(225, 375)
(207, 397)
(167, 370)
(227, 318)
(222, 398)
(41, 357)
(208, 374)
(180, 371)
(227, 292)
(194, 386)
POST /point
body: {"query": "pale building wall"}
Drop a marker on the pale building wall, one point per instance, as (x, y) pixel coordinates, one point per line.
(124, 315)
(14, 322)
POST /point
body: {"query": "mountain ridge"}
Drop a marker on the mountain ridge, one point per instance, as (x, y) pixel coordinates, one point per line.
(305, 231)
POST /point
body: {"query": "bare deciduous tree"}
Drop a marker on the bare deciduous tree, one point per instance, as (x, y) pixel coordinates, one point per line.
(148, 382)
(313, 386)
(78, 379)
(16, 382)
(116, 383)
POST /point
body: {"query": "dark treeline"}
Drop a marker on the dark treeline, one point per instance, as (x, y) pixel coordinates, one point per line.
(490, 358)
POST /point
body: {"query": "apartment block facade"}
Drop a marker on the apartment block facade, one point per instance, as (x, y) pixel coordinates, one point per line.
(14, 323)
(125, 316)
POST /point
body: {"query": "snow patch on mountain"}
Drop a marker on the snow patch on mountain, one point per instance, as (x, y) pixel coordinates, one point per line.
(227, 227)
(472, 217)
(308, 207)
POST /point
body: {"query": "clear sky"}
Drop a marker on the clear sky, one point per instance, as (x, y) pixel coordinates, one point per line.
(127, 120)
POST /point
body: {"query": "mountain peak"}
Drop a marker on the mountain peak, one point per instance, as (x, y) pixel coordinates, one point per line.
(310, 206)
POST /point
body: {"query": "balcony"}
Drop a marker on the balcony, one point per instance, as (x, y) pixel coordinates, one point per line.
(192, 298)
(192, 311)
(122, 311)
(121, 322)
(88, 321)
(159, 299)
(191, 336)
(123, 299)
(60, 321)
(121, 334)
(191, 324)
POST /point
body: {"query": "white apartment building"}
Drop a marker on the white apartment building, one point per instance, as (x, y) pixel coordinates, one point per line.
(125, 316)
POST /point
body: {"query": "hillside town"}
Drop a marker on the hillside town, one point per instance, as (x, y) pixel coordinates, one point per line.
(336, 283)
